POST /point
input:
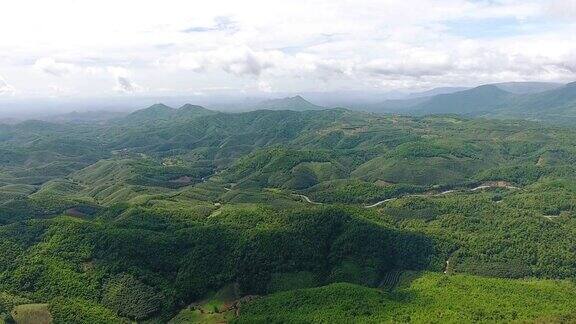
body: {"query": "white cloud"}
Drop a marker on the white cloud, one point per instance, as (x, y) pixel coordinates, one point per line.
(5, 88)
(416, 63)
(264, 86)
(221, 23)
(124, 85)
(123, 82)
(561, 8)
(239, 61)
(57, 91)
(50, 66)
(295, 46)
(246, 62)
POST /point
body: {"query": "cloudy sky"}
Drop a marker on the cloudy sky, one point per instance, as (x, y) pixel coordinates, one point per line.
(82, 48)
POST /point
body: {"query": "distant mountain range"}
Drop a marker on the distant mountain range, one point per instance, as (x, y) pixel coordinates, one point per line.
(475, 101)
(540, 101)
(86, 116)
(296, 103)
(160, 112)
(434, 92)
(528, 87)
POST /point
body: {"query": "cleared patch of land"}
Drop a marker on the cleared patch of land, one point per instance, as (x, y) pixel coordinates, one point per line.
(32, 314)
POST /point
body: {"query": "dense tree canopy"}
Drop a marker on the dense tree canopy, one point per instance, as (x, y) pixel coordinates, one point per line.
(143, 217)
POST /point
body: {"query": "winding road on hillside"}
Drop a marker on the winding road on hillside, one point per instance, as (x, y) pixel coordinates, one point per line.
(484, 186)
(380, 202)
(308, 200)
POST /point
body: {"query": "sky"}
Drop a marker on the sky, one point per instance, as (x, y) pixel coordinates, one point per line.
(87, 48)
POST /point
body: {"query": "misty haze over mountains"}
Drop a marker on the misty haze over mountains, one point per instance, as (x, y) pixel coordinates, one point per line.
(324, 161)
(493, 100)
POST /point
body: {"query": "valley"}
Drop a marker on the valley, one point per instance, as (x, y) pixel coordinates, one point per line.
(323, 215)
(288, 162)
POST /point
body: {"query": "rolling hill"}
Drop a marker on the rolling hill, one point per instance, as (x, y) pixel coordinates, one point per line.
(435, 91)
(296, 103)
(280, 215)
(557, 105)
(162, 113)
(547, 102)
(528, 87)
(478, 101)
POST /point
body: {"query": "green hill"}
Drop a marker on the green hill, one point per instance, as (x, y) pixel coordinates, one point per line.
(528, 87)
(296, 103)
(551, 103)
(155, 112)
(557, 105)
(478, 101)
(187, 214)
(422, 299)
(160, 113)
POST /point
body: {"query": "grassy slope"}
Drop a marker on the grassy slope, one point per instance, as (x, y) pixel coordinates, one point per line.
(432, 297)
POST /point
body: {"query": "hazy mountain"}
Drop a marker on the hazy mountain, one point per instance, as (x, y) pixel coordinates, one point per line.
(528, 101)
(296, 103)
(156, 111)
(189, 110)
(86, 116)
(435, 91)
(160, 112)
(393, 105)
(407, 101)
(8, 120)
(558, 105)
(412, 100)
(528, 87)
(353, 98)
(462, 100)
(479, 100)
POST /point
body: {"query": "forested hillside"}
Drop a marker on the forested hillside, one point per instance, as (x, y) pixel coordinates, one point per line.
(544, 102)
(330, 215)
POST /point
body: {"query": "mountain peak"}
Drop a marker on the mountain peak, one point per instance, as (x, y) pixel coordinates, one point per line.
(527, 87)
(288, 103)
(191, 107)
(478, 100)
(436, 91)
(159, 106)
(487, 87)
(297, 99)
(154, 112)
(190, 110)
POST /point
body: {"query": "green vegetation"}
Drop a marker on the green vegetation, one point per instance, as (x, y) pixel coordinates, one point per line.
(552, 104)
(219, 307)
(291, 103)
(74, 310)
(317, 212)
(31, 313)
(131, 298)
(422, 299)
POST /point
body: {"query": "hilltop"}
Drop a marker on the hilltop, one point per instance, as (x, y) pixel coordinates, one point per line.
(296, 103)
(189, 213)
(546, 102)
